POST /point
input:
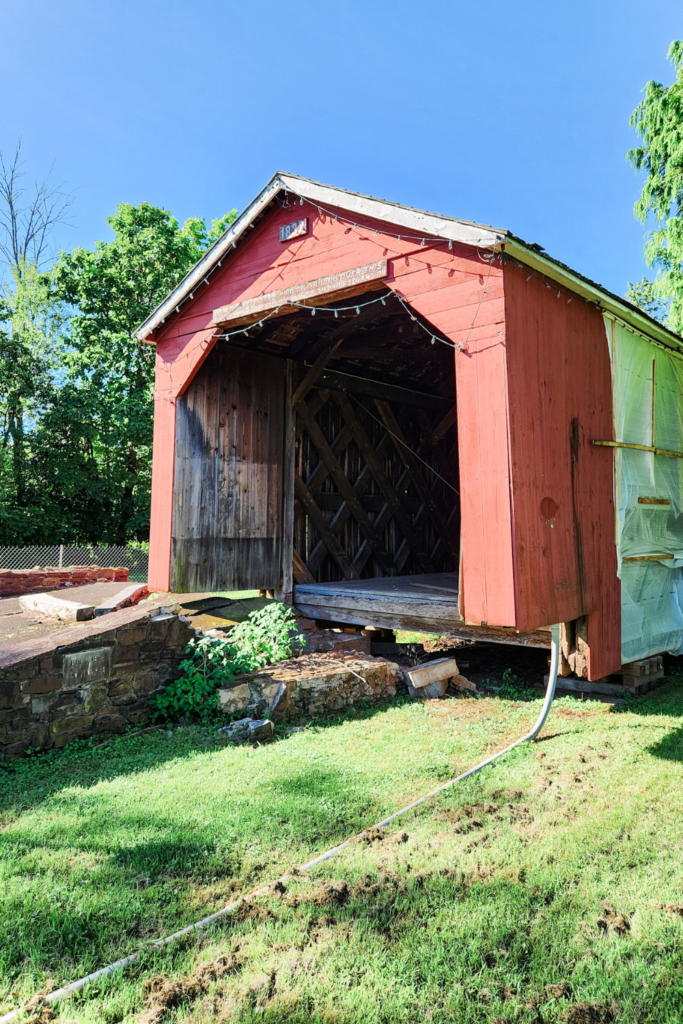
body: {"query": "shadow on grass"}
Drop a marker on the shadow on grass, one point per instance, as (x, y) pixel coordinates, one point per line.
(116, 873)
(670, 747)
(666, 699)
(28, 781)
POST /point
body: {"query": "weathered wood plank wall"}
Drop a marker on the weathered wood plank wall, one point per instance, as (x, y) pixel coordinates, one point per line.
(227, 514)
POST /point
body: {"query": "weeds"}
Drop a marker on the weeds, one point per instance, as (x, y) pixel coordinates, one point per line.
(266, 637)
(511, 688)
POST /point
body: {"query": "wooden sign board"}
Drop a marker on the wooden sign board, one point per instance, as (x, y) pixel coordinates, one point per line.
(294, 230)
(322, 291)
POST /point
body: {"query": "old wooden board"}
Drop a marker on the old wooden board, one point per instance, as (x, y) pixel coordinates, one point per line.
(427, 602)
(330, 288)
(427, 597)
(230, 449)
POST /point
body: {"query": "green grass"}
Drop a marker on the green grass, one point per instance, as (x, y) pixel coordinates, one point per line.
(494, 894)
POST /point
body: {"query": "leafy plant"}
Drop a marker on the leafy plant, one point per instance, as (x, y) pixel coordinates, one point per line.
(195, 691)
(512, 688)
(266, 637)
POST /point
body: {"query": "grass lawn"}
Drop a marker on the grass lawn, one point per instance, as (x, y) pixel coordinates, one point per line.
(553, 868)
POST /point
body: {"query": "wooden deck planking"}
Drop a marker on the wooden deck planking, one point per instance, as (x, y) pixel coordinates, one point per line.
(392, 601)
(427, 603)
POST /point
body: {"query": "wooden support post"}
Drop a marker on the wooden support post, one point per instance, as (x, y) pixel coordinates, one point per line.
(286, 588)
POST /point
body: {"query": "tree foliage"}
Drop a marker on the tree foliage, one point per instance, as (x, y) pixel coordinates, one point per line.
(658, 120)
(76, 391)
(113, 289)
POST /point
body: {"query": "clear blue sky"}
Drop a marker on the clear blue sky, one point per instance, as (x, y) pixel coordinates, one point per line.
(513, 114)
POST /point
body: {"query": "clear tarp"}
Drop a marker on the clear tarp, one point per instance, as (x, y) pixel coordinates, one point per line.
(648, 410)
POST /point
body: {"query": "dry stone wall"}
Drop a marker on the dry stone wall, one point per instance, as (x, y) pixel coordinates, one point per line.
(96, 677)
(313, 684)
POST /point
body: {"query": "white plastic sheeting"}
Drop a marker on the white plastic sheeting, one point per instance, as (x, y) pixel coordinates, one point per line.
(648, 410)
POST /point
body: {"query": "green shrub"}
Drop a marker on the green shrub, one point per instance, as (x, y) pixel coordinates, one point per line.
(511, 688)
(266, 637)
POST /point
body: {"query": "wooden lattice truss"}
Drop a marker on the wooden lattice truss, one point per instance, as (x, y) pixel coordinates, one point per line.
(375, 486)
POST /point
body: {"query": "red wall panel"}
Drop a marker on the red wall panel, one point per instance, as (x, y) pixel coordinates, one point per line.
(560, 399)
(463, 297)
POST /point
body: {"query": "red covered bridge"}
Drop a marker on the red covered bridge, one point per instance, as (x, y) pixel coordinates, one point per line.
(388, 417)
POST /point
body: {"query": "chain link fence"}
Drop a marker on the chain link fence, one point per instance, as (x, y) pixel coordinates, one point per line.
(58, 556)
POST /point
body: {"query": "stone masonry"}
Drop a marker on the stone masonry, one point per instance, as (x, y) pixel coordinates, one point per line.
(312, 684)
(94, 677)
(33, 581)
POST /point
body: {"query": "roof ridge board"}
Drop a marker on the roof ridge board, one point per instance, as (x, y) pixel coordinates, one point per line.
(391, 202)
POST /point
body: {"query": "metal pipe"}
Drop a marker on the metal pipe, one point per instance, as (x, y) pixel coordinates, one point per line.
(104, 972)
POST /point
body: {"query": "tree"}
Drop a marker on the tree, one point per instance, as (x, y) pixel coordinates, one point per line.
(113, 289)
(26, 227)
(30, 321)
(658, 120)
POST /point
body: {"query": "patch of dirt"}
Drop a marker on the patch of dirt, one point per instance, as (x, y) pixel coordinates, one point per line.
(471, 816)
(162, 994)
(589, 1013)
(41, 1012)
(249, 911)
(675, 909)
(561, 991)
(326, 893)
(613, 920)
(379, 835)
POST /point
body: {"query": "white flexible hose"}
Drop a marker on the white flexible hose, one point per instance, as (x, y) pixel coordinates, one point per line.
(104, 972)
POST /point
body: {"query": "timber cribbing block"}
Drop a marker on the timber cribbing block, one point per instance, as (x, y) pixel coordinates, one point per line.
(639, 672)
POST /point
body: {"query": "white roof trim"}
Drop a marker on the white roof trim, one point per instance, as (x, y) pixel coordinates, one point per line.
(593, 292)
(208, 261)
(418, 222)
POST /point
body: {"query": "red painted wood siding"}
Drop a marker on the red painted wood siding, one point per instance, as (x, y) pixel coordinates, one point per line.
(161, 521)
(513, 441)
(560, 398)
(462, 295)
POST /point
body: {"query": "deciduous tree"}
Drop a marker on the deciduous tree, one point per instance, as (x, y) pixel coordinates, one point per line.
(658, 120)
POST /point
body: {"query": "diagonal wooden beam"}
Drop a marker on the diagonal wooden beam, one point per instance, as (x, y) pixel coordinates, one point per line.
(383, 481)
(305, 497)
(413, 467)
(341, 518)
(333, 341)
(299, 569)
(343, 486)
(449, 420)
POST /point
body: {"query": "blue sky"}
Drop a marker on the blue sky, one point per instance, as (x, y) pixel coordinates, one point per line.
(513, 114)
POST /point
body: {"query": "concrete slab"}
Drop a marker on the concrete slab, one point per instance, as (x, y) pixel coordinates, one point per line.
(56, 607)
